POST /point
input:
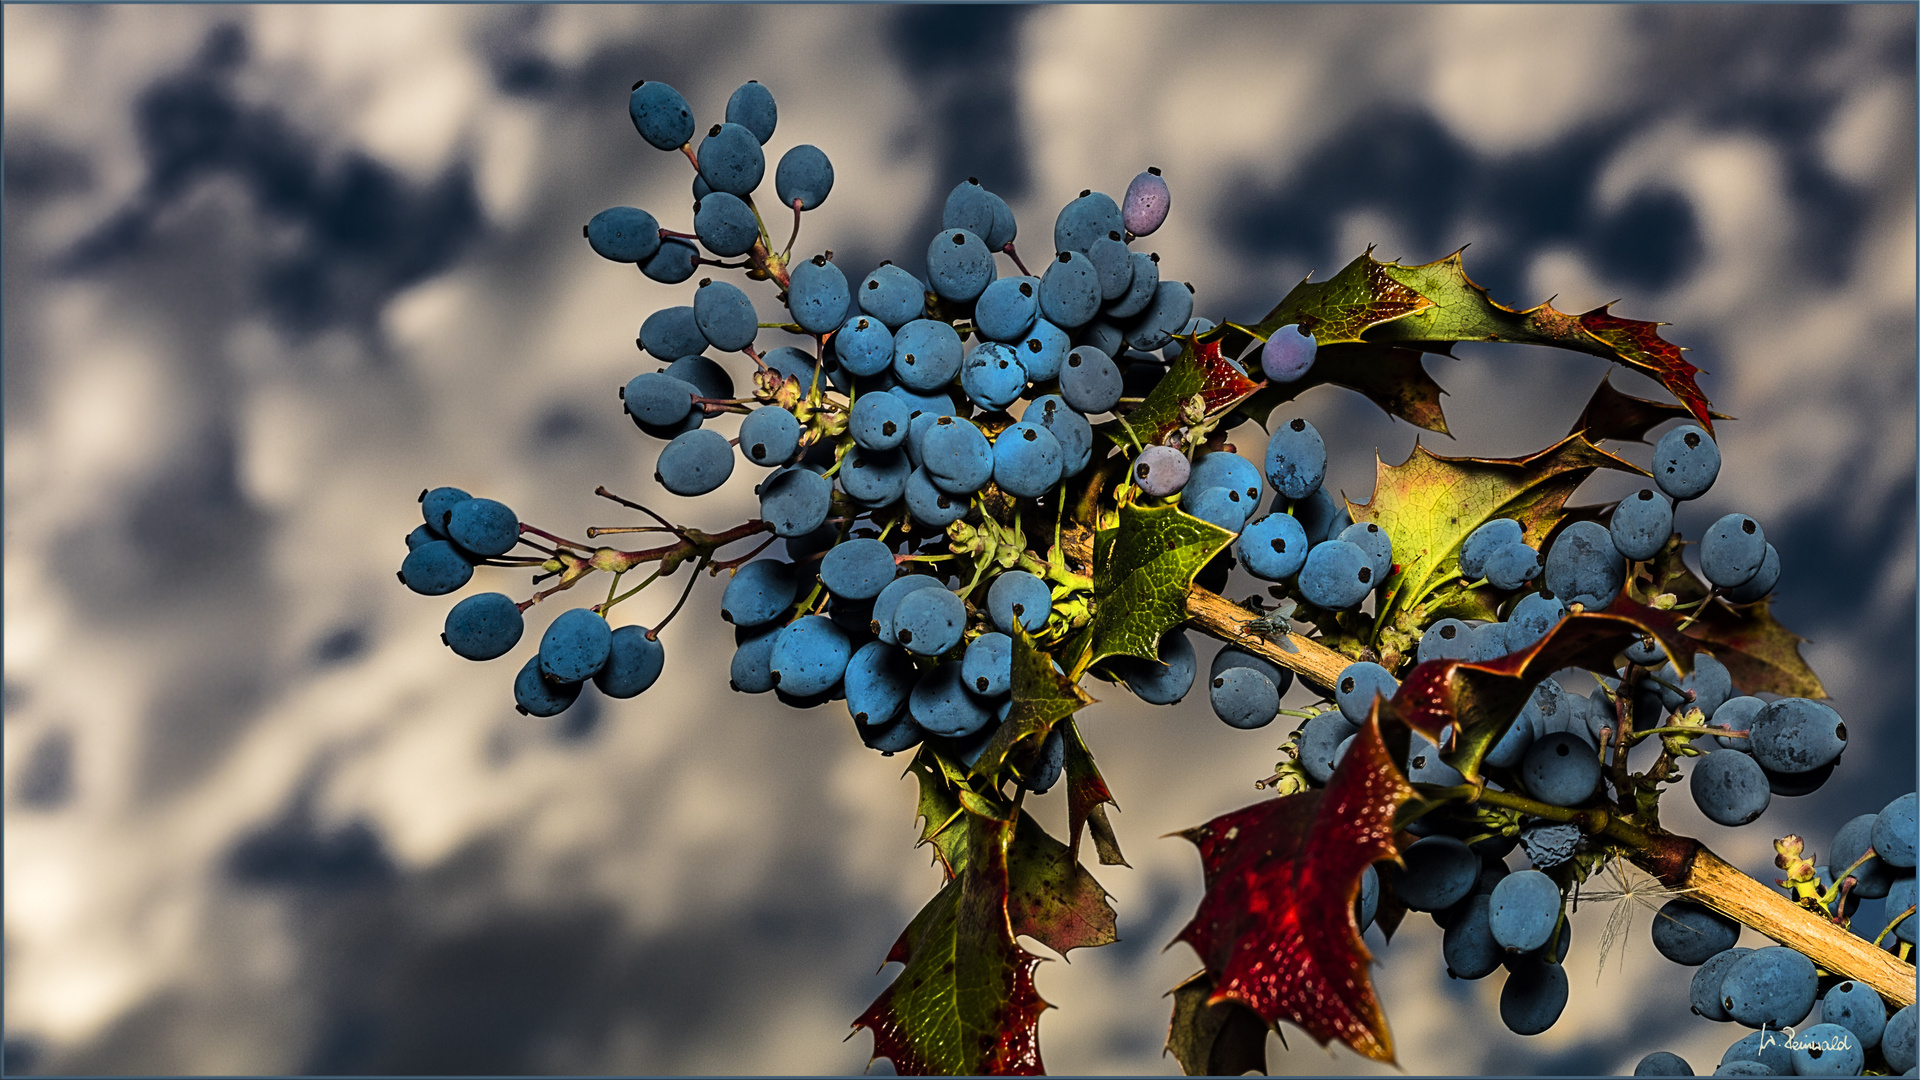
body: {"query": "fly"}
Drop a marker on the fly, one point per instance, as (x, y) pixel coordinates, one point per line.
(1271, 623)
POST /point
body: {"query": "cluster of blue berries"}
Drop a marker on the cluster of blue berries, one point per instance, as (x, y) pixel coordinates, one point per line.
(1775, 989)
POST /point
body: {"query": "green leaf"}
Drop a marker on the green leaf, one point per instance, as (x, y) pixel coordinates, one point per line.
(1087, 799)
(1051, 897)
(964, 1004)
(1200, 371)
(1141, 572)
(1042, 697)
(1430, 504)
(1343, 308)
(1223, 1039)
(939, 812)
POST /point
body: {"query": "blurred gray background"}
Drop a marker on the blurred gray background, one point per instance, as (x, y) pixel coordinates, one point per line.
(271, 271)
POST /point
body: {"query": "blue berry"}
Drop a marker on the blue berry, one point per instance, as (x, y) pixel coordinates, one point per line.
(1685, 462)
(1534, 996)
(1004, 229)
(634, 663)
(1288, 355)
(420, 535)
(1856, 1007)
(1893, 832)
(731, 160)
(660, 115)
(1531, 618)
(1161, 471)
(1084, 220)
(1296, 459)
(751, 670)
(436, 505)
(1440, 870)
(893, 296)
(1561, 769)
(694, 463)
(1773, 987)
(752, 107)
(1357, 685)
(1897, 1042)
(1166, 680)
(878, 679)
(864, 345)
(810, 656)
(1068, 427)
(759, 592)
(1641, 524)
(1146, 203)
(1795, 735)
(769, 436)
(1319, 744)
(1007, 308)
(929, 622)
(1273, 547)
(1872, 878)
(1583, 567)
(673, 263)
(931, 506)
(1729, 787)
(1243, 697)
(959, 266)
(987, 665)
(1171, 307)
(1141, 289)
(888, 602)
(1732, 550)
(1511, 566)
(1053, 759)
(992, 375)
(624, 234)
(857, 569)
(709, 378)
(1372, 539)
(1662, 1063)
(1112, 266)
(1070, 290)
(484, 527)
(725, 315)
(725, 225)
(575, 646)
(1468, 945)
(794, 501)
(941, 703)
(534, 694)
(1026, 461)
(1337, 576)
(1761, 1053)
(1018, 598)
(957, 456)
(1703, 993)
(969, 206)
(1090, 381)
(483, 627)
(435, 568)
(926, 354)
(1484, 541)
(877, 421)
(1525, 910)
(1688, 933)
(1760, 584)
(817, 295)
(1827, 1050)
(804, 174)
(1044, 350)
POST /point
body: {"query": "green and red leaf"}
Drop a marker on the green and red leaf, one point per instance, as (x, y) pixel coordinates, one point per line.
(1481, 699)
(1611, 414)
(1200, 370)
(1365, 294)
(1042, 698)
(1051, 897)
(1087, 800)
(1276, 928)
(964, 1003)
(1141, 572)
(1221, 1039)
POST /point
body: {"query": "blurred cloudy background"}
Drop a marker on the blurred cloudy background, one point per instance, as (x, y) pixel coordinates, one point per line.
(269, 272)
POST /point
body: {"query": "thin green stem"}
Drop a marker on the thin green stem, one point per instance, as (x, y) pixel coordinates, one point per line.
(612, 600)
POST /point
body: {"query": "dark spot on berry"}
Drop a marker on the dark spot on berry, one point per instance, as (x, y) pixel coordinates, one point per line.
(1280, 545)
(712, 131)
(1840, 732)
(1366, 574)
(1066, 256)
(1019, 609)
(1346, 685)
(1030, 434)
(1073, 360)
(1153, 256)
(1747, 526)
(1084, 192)
(1562, 750)
(888, 428)
(872, 284)
(1298, 424)
(1026, 288)
(759, 451)
(859, 718)
(1372, 528)
(909, 359)
(1154, 170)
(981, 683)
(905, 636)
(1448, 632)
(959, 238)
(942, 502)
(1033, 345)
(945, 421)
(1692, 440)
(1112, 235)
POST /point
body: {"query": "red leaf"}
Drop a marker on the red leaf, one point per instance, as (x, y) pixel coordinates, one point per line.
(1276, 927)
(1611, 414)
(1480, 698)
(1222, 383)
(1639, 344)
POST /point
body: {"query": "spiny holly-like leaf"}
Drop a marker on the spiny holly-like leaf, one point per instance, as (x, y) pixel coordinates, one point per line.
(1200, 370)
(940, 812)
(1430, 504)
(1050, 896)
(964, 1004)
(1141, 571)
(1460, 310)
(1611, 414)
(1761, 655)
(1391, 377)
(1225, 1039)
(1087, 799)
(1363, 295)
(1483, 699)
(1042, 697)
(1276, 928)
